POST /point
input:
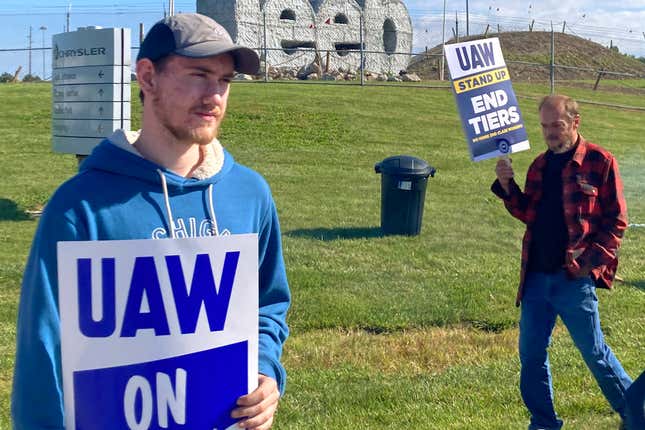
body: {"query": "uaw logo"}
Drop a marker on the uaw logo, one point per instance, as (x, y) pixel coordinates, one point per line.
(503, 146)
(77, 52)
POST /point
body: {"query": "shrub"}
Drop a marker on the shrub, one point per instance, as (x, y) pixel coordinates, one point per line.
(31, 78)
(6, 77)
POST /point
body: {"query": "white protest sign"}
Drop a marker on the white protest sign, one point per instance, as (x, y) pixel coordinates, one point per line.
(158, 334)
(487, 105)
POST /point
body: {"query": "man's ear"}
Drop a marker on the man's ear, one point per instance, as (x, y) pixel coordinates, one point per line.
(146, 75)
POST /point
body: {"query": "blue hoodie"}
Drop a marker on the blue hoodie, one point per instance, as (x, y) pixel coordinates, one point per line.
(119, 195)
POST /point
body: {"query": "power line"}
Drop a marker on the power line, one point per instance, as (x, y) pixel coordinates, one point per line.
(513, 23)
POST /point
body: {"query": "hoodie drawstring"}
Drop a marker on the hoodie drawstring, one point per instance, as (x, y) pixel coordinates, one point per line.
(215, 230)
(171, 221)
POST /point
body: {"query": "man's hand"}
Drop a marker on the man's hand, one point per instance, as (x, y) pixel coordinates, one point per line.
(504, 171)
(258, 407)
(577, 271)
(573, 264)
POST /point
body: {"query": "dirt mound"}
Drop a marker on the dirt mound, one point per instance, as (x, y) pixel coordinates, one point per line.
(522, 49)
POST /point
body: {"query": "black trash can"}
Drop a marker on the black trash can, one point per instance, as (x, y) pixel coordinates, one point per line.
(403, 188)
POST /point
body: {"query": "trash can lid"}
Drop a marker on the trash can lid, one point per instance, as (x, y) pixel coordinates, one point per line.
(405, 165)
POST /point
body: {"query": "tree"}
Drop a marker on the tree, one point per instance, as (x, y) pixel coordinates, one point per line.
(31, 78)
(6, 77)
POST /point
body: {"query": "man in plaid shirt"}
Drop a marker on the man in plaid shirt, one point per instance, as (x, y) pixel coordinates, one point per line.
(575, 216)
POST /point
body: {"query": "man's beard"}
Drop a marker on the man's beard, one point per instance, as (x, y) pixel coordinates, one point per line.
(560, 145)
(200, 136)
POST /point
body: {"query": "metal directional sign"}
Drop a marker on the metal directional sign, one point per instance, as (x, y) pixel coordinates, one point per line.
(74, 145)
(94, 128)
(90, 75)
(92, 46)
(91, 87)
(90, 110)
(75, 137)
(90, 93)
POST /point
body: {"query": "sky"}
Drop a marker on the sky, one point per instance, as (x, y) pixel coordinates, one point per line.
(621, 24)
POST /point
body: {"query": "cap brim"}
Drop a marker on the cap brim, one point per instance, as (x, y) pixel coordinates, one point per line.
(246, 59)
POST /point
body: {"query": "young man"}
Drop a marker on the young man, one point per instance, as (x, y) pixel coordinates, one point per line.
(575, 213)
(171, 179)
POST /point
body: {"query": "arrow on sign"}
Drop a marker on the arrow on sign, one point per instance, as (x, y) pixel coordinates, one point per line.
(101, 74)
(101, 110)
(100, 128)
(101, 91)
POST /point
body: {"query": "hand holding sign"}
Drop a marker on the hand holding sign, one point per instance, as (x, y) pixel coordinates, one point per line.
(259, 406)
(504, 171)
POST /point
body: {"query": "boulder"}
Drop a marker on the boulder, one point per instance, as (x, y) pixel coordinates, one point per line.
(410, 77)
(330, 77)
(242, 77)
(309, 69)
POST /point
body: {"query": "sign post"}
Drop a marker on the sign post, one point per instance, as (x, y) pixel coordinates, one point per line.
(487, 105)
(91, 87)
(158, 334)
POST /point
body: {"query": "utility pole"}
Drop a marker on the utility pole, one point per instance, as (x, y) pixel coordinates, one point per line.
(69, 9)
(467, 20)
(362, 28)
(456, 27)
(30, 50)
(265, 43)
(531, 22)
(552, 69)
(443, 42)
(43, 28)
(171, 7)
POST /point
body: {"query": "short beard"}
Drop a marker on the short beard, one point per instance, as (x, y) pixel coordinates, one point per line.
(179, 133)
(561, 146)
(191, 135)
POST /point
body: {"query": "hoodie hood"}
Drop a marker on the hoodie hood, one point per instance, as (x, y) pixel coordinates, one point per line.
(116, 154)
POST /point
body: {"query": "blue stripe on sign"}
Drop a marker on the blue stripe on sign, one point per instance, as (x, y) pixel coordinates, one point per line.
(150, 396)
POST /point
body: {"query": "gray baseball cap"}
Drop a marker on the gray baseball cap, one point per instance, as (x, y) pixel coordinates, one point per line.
(197, 36)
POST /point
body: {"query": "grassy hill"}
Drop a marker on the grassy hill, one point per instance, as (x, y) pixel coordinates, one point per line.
(386, 332)
(535, 47)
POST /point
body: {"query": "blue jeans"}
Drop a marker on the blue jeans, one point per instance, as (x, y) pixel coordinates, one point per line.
(547, 295)
(636, 404)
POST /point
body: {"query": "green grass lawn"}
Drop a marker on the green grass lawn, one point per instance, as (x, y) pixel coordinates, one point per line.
(387, 332)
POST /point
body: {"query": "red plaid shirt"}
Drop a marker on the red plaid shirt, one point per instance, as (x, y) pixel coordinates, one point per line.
(595, 211)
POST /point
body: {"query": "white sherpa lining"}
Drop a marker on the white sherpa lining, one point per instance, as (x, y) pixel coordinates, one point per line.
(212, 155)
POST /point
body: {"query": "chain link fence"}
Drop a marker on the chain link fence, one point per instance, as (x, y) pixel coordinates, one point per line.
(538, 61)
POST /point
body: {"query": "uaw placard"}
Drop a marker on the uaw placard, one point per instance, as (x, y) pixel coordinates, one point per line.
(158, 334)
(487, 105)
